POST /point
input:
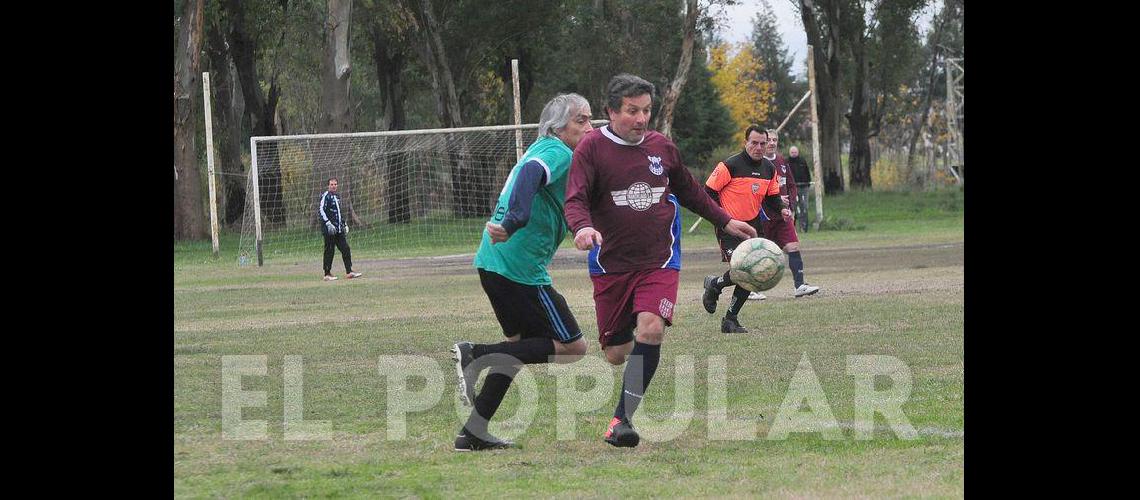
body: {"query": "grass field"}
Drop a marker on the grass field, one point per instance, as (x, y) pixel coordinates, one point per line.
(893, 287)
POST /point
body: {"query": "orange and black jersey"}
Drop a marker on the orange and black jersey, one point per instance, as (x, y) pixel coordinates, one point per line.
(741, 184)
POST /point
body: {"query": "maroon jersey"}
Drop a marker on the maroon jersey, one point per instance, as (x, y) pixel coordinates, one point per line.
(788, 189)
(631, 193)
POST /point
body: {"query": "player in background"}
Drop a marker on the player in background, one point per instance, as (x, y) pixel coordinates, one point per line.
(335, 230)
(623, 204)
(782, 230)
(742, 184)
(518, 243)
(802, 175)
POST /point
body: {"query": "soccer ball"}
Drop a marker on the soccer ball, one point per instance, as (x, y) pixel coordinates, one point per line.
(757, 265)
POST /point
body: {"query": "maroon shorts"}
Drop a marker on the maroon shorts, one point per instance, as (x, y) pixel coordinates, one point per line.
(619, 297)
(780, 231)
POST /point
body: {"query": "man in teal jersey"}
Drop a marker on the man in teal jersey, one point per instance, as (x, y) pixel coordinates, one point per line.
(518, 243)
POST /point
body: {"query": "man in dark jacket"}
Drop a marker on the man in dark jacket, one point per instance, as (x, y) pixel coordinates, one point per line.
(335, 231)
(802, 174)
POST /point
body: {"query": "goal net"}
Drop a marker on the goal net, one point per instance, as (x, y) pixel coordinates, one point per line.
(405, 193)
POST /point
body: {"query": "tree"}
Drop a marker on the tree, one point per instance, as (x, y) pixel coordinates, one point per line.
(669, 101)
(823, 34)
(881, 53)
(736, 78)
(336, 68)
(260, 109)
(387, 25)
(942, 34)
(702, 122)
(228, 110)
(189, 214)
(775, 65)
(336, 112)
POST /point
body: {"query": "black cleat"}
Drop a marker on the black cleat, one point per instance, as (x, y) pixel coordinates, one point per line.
(711, 294)
(621, 434)
(730, 325)
(467, 441)
(461, 353)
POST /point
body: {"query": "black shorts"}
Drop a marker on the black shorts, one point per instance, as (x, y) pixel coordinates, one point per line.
(728, 242)
(529, 310)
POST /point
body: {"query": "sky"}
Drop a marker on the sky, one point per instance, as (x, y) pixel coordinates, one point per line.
(738, 26)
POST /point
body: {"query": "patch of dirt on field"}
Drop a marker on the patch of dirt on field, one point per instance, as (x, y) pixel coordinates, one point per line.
(821, 260)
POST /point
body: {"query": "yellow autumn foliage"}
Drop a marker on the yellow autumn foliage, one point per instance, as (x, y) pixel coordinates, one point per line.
(736, 77)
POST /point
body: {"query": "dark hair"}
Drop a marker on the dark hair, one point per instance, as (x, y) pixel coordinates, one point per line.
(755, 128)
(332, 179)
(627, 85)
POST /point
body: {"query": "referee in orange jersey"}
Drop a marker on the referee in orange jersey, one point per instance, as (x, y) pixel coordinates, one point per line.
(742, 183)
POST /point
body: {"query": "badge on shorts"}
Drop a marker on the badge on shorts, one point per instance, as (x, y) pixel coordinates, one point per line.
(655, 165)
(666, 308)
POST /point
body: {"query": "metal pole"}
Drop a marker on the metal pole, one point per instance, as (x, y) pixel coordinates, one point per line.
(256, 197)
(817, 167)
(210, 162)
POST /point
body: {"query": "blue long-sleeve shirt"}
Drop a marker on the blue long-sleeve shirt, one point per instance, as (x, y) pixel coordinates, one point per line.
(531, 177)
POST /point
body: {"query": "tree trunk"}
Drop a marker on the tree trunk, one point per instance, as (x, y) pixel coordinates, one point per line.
(858, 119)
(390, 60)
(469, 183)
(336, 111)
(669, 103)
(189, 213)
(447, 97)
(828, 80)
(260, 110)
(920, 120)
(229, 128)
(336, 67)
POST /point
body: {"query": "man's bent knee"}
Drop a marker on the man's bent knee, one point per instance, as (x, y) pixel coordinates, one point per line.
(569, 353)
(651, 338)
(650, 328)
(615, 358)
(616, 354)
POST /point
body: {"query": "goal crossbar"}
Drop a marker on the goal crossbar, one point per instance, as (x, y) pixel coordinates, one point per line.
(382, 155)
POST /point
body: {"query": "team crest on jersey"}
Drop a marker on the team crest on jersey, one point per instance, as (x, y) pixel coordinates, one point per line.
(655, 165)
(666, 308)
(755, 188)
(640, 196)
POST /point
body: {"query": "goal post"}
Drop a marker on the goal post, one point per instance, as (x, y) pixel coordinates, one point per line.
(404, 193)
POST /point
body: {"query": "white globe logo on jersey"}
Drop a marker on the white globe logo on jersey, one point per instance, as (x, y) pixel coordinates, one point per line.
(640, 196)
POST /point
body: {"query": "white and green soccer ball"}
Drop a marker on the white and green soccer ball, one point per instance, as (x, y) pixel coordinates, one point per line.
(757, 264)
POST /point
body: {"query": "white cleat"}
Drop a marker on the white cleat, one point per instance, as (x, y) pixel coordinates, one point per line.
(757, 296)
(330, 278)
(806, 289)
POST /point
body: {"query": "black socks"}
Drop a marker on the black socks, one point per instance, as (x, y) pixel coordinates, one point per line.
(639, 371)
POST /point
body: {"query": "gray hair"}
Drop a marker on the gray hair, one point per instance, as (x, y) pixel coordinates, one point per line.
(627, 85)
(558, 112)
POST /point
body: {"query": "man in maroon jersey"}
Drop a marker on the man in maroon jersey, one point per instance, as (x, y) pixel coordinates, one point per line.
(623, 203)
(782, 230)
